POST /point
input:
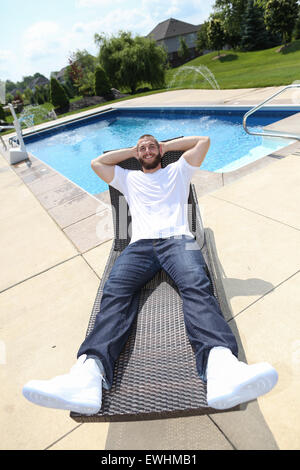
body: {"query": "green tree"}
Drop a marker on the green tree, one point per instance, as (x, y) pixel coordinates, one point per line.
(26, 82)
(231, 13)
(280, 16)
(46, 93)
(130, 61)
(84, 60)
(38, 95)
(202, 40)
(261, 3)
(102, 85)
(9, 98)
(215, 34)
(183, 51)
(254, 35)
(28, 94)
(74, 73)
(9, 86)
(87, 87)
(80, 72)
(69, 86)
(296, 32)
(58, 96)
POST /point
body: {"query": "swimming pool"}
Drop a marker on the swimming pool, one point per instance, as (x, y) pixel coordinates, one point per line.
(69, 148)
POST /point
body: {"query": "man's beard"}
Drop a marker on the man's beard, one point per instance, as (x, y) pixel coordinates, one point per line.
(151, 165)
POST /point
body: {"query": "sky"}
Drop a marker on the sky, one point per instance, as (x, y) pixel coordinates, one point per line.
(40, 36)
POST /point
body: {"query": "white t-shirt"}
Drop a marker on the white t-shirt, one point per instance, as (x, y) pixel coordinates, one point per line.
(158, 201)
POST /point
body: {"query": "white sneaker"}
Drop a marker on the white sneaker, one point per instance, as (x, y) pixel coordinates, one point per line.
(231, 382)
(80, 390)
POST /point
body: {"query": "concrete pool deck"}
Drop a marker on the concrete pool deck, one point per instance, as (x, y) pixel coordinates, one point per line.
(55, 240)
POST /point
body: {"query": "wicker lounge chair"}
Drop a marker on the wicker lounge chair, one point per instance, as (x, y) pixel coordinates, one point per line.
(155, 376)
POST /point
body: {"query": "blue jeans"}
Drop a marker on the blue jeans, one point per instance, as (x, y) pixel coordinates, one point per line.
(182, 259)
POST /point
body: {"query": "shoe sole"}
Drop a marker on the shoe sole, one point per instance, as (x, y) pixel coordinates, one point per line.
(254, 387)
(47, 400)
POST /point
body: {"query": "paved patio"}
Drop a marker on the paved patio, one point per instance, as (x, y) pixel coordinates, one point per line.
(55, 239)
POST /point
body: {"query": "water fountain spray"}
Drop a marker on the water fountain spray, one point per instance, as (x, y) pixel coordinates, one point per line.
(201, 70)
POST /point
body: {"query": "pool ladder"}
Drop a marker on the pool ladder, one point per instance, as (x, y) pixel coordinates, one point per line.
(271, 133)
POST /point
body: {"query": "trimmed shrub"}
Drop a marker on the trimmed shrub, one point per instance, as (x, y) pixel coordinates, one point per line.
(102, 85)
(58, 96)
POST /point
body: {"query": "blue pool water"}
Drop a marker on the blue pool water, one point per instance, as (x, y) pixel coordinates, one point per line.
(70, 148)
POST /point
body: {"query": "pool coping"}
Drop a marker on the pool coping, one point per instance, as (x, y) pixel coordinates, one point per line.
(86, 219)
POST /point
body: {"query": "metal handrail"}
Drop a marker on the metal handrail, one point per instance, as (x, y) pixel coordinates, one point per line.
(3, 143)
(4, 128)
(271, 133)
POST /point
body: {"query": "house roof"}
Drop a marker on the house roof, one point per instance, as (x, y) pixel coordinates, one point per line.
(171, 27)
(40, 81)
(60, 76)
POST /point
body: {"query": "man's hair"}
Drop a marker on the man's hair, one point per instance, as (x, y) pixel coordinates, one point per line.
(151, 136)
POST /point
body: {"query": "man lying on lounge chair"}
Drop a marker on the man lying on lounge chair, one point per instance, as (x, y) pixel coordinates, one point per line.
(157, 198)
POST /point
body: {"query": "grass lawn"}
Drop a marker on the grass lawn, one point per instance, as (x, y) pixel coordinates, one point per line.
(243, 69)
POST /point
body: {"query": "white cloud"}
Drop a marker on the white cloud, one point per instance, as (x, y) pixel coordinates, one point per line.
(6, 63)
(193, 11)
(41, 40)
(46, 46)
(160, 8)
(134, 20)
(198, 12)
(94, 3)
(4, 54)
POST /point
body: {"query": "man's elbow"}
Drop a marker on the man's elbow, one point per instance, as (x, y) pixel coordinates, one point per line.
(203, 144)
(202, 149)
(206, 144)
(207, 140)
(96, 167)
(95, 164)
